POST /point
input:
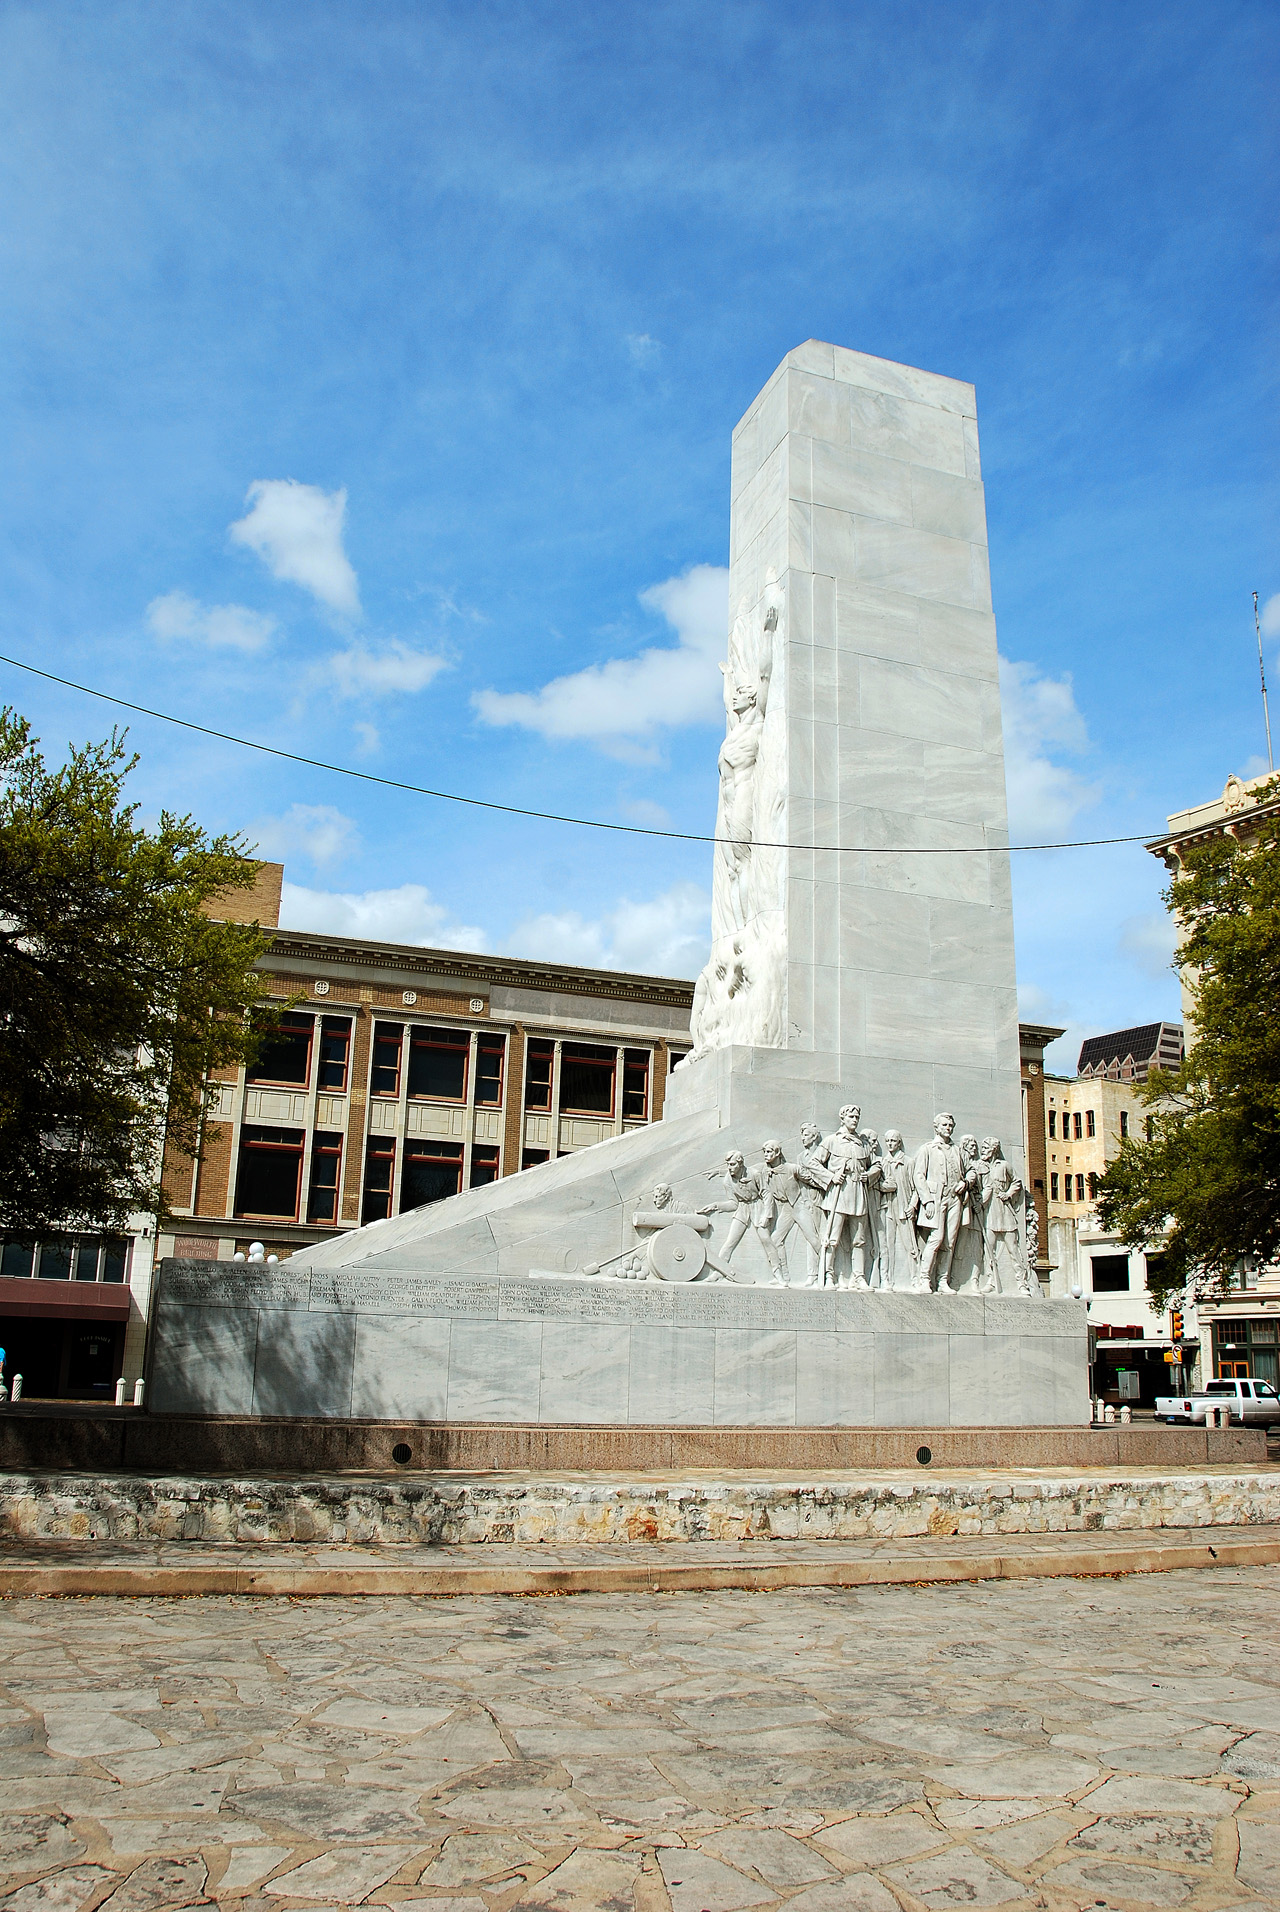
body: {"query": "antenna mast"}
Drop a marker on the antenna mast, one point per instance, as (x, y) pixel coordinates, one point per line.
(1271, 764)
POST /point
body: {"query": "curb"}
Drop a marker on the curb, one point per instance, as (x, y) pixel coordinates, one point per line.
(273, 1580)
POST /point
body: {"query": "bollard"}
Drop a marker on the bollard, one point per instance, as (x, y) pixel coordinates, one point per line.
(1109, 1415)
(120, 1392)
(16, 1395)
(1126, 1415)
(1100, 1411)
(138, 1386)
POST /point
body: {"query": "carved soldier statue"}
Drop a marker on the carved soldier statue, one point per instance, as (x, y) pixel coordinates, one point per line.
(876, 1277)
(853, 1171)
(939, 1175)
(815, 1179)
(1004, 1205)
(900, 1250)
(751, 1206)
(965, 1276)
(784, 1184)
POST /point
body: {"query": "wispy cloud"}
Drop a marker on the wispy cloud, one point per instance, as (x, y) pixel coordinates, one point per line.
(642, 349)
(669, 935)
(296, 530)
(1271, 616)
(395, 670)
(315, 831)
(1041, 722)
(221, 626)
(620, 705)
(403, 915)
(1149, 941)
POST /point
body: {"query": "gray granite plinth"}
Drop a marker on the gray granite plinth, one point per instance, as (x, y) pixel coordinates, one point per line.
(399, 1345)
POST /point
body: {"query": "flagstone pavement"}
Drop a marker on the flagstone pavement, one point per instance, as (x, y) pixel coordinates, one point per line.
(1046, 1743)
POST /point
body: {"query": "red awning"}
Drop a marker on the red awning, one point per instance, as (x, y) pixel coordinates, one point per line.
(65, 1300)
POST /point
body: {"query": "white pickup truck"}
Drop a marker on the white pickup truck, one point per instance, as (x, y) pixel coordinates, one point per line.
(1256, 1403)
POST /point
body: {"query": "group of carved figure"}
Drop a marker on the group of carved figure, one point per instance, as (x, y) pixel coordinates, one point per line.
(950, 1218)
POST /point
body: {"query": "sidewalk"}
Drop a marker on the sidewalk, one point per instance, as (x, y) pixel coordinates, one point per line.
(146, 1568)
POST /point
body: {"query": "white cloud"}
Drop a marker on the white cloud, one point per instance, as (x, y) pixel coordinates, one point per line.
(297, 532)
(642, 348)
(619, 705)
(404, 915)
(315, 831)
(223, 626)
(667, 936)
(370, 739)
(1039, 718)
(1149, 942)
(648, 814)
(394, 671)
(1271, 616)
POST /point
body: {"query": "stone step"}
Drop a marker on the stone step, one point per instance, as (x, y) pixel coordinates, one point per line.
(146, 1569)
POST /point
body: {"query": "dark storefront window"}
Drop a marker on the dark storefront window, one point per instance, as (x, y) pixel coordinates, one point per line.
(326, 1169)
(438, 1064)
(55, 1261)
(490, 1053)
(635, 1085)
(385, 1075)
(537, 1079)
(1248, 1348)
(285, 1056)
(484, 1167)
(379, 1177)
(335, 1042)
(1110, 1274)
(432, 1170)
(586, 1078)
(18, 1260)
(270, 1177)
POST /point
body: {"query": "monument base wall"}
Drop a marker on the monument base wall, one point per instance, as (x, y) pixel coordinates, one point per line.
(400, 1346)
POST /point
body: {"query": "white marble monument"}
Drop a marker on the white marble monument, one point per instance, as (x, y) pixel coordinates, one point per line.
(850, 1119)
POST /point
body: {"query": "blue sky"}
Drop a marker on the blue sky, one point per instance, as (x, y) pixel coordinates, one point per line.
(368, 370)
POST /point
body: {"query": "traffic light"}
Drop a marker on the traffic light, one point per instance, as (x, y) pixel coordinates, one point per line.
(1175, 1324)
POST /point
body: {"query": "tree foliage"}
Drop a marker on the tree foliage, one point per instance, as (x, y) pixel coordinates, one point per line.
(118, 993)
(1209, 1170)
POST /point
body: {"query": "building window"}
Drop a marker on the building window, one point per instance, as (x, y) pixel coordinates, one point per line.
(532, 1157)
(1053, 1188)
(635, 1085)
(55, 1261)
(484, 1167)
(1110, 1274)
(586, 1078)
(490, 1056)
(335, 1044)
(537, 1082)
(438, 1064)
(115, 1259)
(1089, 1125)
(432, 1170)
(18, 1260)
(1124, 1125)
(270, 1175)
(1079, 1188)
(1053, 1125)
(1076, 1125)
(379, 1174)
(675, 1057)
(285, 1055)
(326, 1168)
(1093, 1185)
(388, 1038)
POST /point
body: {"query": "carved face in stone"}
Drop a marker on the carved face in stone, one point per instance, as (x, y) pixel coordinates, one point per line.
(744, 698)
(773, 1153)
(990, 1149)
(850, 1116)
(872, 1140)
(944, 1126)
(810, 1135)
(736, 1163)
(893, 1141)
(662, 1196)
(968, 1148)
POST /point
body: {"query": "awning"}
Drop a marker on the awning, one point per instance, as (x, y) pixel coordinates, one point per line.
(64, 1300)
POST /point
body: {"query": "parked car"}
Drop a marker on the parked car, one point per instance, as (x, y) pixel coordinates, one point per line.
(1256, 1403)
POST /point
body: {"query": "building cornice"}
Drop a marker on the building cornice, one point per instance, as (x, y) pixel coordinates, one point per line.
(308, 947)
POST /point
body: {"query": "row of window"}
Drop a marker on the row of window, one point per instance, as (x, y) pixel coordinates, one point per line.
(269, 1179)
(432, 1064)
(1080, 1181)
(72, 1258)
(1089, 1128)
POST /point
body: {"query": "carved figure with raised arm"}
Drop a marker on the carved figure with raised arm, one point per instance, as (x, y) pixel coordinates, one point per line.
(939, 1176)
(784, 1183)
(853, 1171)
(751, 1207)
(1004, 1210)
(901, 1248)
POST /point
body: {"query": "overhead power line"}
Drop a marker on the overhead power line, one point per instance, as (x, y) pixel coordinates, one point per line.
(552, 816)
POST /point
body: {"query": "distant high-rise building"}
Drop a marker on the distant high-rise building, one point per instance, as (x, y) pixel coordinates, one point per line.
(1129, 1055)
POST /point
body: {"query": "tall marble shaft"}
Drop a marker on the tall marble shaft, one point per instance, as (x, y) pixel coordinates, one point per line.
(863, 711)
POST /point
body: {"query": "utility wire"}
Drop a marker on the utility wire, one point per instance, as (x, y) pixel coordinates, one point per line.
(551, 816)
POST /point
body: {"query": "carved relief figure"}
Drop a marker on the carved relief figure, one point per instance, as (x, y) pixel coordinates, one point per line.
(1005, 1206)
(814, 1178)
(784, 1183)
(968, 1261)
(900, 1248)
(875, 1207)
(751, 1206)
(939, 1176)
(853, 1170)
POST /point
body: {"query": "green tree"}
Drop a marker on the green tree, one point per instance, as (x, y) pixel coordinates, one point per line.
(118, 993)
(1208, 1170)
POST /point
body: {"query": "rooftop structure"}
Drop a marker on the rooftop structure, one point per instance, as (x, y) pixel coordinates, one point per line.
(1129, 1055)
